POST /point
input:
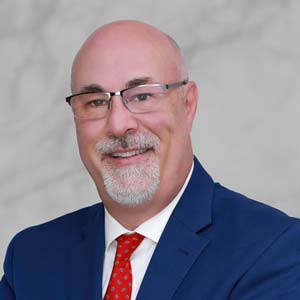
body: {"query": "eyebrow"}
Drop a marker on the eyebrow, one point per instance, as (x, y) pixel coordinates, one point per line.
(138, 81)
(96, 88)
(92, 88)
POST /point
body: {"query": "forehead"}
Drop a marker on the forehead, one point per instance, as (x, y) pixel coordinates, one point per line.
(114, 59)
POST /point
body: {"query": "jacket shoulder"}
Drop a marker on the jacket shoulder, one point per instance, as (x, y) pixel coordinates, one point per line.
(252, 218)
(266, 242)
(61, 228)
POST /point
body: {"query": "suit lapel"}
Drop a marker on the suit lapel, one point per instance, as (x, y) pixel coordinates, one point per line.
(173, 257)
(85, 261)
(181, 242)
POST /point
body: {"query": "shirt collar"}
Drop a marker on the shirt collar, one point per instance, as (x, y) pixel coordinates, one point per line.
(152, 228)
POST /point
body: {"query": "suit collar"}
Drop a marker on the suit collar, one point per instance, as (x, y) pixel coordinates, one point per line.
(85, 259)
(195, 206)
(181, 242)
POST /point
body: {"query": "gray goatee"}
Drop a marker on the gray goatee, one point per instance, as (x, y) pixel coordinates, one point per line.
(135, 184)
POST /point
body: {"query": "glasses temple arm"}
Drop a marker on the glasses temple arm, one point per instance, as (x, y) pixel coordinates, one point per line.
(176, 84)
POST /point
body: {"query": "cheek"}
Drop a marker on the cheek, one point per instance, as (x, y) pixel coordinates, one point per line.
(88, 134)
(171, 124)
(166, 127)
(174, 135)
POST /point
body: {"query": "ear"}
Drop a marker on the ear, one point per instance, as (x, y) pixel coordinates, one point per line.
(190, 102)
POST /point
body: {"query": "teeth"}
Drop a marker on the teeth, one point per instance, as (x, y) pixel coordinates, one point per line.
(129, 154)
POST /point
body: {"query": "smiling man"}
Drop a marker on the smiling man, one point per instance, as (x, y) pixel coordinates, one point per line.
(164, 230)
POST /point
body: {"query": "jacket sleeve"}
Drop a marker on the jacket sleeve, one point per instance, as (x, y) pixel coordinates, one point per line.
(6, 283)
(276, 273)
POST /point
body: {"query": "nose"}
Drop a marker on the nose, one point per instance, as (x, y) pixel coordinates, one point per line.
(120, 120)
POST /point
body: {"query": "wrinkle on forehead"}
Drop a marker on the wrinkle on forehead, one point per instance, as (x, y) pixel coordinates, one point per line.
(138, 34)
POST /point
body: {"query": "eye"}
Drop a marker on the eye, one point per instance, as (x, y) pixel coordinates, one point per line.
(143, 97)
(97, 103)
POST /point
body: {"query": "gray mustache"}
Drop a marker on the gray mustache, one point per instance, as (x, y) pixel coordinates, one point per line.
(109, 145)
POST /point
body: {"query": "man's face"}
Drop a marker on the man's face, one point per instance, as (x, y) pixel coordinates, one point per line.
(134, 157)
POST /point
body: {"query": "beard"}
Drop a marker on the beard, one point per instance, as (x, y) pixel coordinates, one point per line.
(136, 183)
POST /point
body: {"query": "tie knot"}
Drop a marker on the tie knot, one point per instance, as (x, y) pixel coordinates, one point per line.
(127, 243)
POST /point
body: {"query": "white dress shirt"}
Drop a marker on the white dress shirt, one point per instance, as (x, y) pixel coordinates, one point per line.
(151, 230)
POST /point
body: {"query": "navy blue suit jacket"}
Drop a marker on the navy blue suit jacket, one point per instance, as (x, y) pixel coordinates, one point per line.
(217, 245)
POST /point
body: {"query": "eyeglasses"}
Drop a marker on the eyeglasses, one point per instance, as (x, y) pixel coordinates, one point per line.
(139, 99)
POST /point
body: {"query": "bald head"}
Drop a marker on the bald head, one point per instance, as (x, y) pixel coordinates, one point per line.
(126, 46)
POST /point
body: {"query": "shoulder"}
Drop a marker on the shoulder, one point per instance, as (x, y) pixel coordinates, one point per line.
(252, 219)
(266, 242)
(63, 228)
(46, 244)
(232, 202)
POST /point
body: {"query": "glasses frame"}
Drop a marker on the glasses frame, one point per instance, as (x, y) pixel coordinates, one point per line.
(165, 87)
(120, 93)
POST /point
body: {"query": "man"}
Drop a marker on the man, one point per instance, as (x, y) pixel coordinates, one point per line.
(165, 230)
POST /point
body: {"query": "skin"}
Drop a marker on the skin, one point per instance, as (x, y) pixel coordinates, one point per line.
(112, 56)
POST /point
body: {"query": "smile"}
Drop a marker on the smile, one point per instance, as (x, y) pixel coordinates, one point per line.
(128, 154)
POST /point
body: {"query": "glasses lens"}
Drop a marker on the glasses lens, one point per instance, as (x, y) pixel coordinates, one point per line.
(90, 106)
(143, 98)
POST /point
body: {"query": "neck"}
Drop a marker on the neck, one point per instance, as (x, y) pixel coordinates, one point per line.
(132, 217)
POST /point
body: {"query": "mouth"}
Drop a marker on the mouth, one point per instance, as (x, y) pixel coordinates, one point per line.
(129, 156)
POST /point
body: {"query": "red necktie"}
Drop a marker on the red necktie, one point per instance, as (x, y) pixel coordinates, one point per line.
(120, 283)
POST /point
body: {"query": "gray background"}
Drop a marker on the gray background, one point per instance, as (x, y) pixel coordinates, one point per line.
(244, 54)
